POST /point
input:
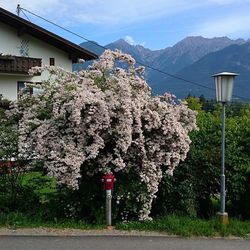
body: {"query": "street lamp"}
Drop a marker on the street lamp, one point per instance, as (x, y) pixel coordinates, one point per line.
(224, 88)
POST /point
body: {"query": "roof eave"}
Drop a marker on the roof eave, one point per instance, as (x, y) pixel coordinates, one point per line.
(23, 26)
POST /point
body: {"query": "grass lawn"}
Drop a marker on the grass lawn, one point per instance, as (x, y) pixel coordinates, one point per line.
(172, 225)
(186, 226)
(19, 220)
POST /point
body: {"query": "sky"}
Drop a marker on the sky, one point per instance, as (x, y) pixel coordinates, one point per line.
(155, 24)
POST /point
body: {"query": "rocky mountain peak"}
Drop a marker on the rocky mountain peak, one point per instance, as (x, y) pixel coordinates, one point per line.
(185, 58)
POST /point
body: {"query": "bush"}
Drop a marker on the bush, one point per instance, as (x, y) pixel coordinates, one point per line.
(4, 103)
(195, 185)
(103, 120)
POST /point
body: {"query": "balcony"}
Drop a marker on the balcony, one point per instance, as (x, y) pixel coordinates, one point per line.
(17, 64)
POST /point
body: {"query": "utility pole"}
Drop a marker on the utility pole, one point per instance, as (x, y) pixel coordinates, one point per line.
(18, 9)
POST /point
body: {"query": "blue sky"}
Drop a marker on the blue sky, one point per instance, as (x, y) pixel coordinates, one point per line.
(155, 24)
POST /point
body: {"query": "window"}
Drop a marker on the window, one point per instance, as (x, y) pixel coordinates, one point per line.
(52, 61)
(22, 89)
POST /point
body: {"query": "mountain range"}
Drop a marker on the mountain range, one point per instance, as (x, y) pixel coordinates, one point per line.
(194, 59)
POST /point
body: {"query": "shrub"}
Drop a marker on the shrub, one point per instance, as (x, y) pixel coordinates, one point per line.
(101, 120)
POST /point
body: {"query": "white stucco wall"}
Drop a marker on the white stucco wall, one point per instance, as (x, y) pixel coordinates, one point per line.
(8, 85)
(10, 43)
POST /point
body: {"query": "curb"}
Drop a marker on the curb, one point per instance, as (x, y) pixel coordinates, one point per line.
(55, 232)
(77, 232)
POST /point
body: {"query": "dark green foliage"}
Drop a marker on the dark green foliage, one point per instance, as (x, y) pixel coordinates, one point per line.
(8, 135)
(88, 202)
(196, 180)
(194, 187)
(193, 190)
(176, 194)
(4, 103)
(238, 164)
(127, 188)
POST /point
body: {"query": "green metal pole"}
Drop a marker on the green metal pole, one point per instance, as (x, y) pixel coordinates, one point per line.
(222, 177)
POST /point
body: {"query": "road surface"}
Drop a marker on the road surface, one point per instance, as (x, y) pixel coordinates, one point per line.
(119, 243)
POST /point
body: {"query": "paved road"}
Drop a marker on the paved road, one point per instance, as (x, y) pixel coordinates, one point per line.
(118, 242)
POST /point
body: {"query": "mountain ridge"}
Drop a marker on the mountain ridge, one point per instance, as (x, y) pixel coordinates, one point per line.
(177, 59)
(234, 58)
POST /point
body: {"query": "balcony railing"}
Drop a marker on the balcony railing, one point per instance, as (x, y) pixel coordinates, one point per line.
(18, 64)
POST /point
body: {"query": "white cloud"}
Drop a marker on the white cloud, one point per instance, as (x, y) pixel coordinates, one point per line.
(112, 12)
(131, 41)
(226, 2)
(233, 26)
(42, 6)
(109, 12)
(105, 18)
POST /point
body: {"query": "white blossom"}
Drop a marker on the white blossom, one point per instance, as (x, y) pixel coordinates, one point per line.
(104, 119)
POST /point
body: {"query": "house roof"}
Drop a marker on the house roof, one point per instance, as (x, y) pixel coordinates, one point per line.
(23, 26)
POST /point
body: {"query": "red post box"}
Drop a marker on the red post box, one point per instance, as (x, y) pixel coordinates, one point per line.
(6, 167)
(108, 181)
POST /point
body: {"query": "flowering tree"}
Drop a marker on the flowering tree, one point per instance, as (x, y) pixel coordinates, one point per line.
(104, 119)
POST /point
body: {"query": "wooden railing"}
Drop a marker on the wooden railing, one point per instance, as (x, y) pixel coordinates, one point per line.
(18, 64)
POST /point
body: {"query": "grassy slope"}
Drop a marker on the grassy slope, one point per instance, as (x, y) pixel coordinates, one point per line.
(172, 225)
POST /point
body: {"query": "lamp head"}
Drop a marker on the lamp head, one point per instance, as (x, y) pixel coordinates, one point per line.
(224, 83)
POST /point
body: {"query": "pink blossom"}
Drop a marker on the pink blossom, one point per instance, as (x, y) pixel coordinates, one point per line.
(105, 115)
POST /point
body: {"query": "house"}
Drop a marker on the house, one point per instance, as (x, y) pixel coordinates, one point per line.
(24, 45)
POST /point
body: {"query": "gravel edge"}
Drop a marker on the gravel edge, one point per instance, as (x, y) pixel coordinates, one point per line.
(42, 231)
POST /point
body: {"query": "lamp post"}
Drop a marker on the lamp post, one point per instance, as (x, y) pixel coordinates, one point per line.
(224, 88)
